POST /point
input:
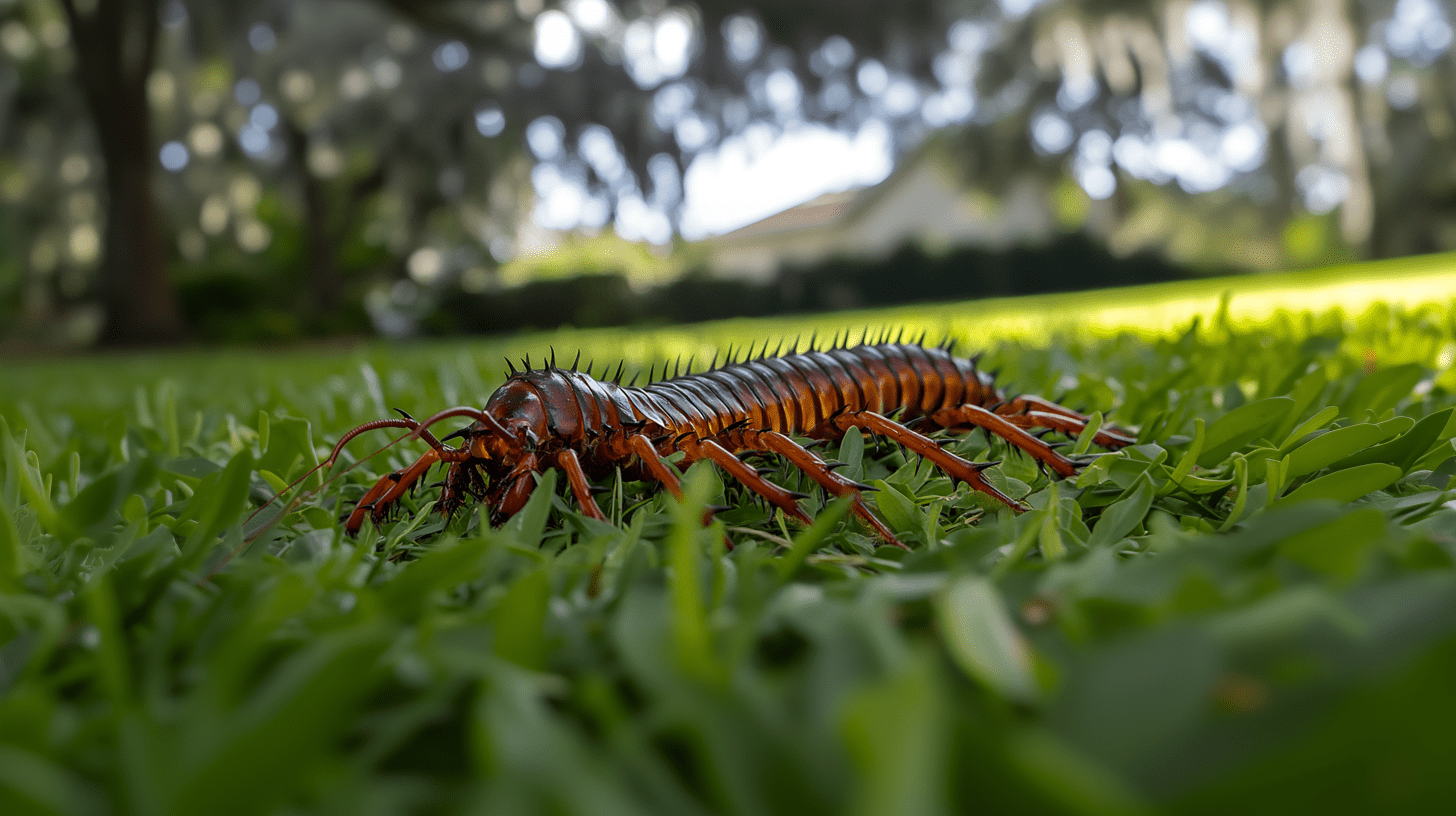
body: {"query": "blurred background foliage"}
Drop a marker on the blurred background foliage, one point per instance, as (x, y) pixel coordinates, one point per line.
(276, 169)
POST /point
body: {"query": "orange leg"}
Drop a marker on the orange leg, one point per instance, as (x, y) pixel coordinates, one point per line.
(818, 470)
(580, 487)
(642, 446)
(954, 466)
(388, 490)
(784, 499)
(1004, 427)
(1034, 412)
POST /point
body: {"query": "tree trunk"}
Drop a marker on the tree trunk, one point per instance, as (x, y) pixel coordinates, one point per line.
(115, 47)
(320, 244)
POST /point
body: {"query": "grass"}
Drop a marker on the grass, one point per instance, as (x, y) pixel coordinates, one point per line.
(1253, 608)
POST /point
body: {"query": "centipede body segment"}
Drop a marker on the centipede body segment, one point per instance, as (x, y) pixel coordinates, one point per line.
(560, 417)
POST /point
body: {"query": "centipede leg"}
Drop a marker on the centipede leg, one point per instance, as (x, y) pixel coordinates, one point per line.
(580, 487)
(388, 490)
(1030, 411)
(642, 446)
(977, 417)
(954, 466)
(806, 461)
(780, 497)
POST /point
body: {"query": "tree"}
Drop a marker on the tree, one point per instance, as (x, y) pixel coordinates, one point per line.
(115, 47)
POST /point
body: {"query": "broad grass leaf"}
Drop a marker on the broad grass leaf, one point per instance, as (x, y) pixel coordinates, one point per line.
(11, 559)
(809, 540)
(1314, 423)
(1405, 450)
(1339, 548)
(32, 784)
(851, 453)
(1125, 701)
(1326, 449)
(691, 633)
(99, 504)
(899, 510)
(218, 502)
(1189, 458)
(530, 523)
(519, 619)
(1380, 391)
(1346, 485)
(445, 565)
(193, 467)
(289, 439)
(896, 736)
(1069, 778)
(1123, 516)
(983, 641)
(257, 757)
(1241, 426)
(1304, 393)
(1282, 615)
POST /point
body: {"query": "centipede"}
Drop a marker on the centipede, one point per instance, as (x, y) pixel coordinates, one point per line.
(777, 404)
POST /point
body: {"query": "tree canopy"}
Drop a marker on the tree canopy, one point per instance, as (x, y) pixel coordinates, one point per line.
(324, 153)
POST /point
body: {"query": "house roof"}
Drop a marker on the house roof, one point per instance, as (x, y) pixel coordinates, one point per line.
(818, 212)
(832, 208)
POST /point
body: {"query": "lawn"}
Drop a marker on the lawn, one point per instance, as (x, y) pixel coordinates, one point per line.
(1254, 608)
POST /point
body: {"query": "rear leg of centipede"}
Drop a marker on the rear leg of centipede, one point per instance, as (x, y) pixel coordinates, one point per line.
(1029, 411)
(954, 466)
(784, 499)
(974, 416)
(818, 470)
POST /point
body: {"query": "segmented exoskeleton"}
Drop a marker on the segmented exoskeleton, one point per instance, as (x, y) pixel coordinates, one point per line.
(559, 417)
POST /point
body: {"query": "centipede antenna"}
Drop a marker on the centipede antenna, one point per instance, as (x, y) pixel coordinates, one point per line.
(577, 360)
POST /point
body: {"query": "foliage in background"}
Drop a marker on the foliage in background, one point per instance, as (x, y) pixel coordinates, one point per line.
(393, 146)
(608, 296)
(1253, 609)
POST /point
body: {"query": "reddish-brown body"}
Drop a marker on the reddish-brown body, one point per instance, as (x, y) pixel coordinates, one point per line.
(564, 418)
